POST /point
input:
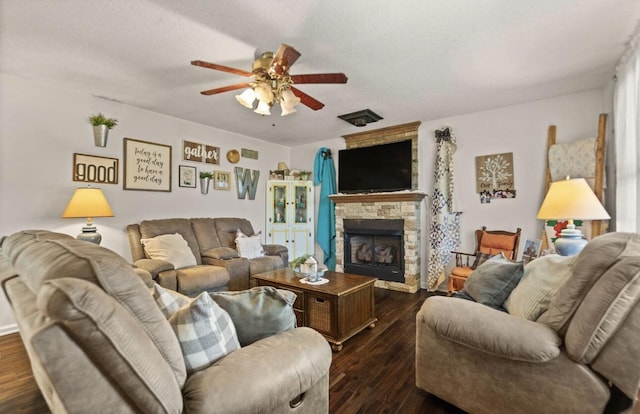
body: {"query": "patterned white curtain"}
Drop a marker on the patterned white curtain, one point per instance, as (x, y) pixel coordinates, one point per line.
(444, 228)
(626, 112)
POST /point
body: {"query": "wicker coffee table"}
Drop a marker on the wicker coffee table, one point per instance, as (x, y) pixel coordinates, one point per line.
(338, 309)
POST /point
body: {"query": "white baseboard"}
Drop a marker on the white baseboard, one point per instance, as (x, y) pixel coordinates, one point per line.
(8, 329)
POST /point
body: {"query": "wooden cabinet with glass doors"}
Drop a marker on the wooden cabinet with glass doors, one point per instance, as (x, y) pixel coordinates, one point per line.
(290, 207)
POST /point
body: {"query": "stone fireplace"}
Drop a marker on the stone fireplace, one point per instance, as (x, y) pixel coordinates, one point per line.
(394, 208)
(374, 247)
(379, 234)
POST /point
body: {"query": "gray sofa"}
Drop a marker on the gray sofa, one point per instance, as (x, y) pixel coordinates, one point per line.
(580, 356)
(212, 241)
(98, 342)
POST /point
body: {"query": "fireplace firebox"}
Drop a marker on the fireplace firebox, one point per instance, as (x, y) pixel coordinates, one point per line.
(374, 247)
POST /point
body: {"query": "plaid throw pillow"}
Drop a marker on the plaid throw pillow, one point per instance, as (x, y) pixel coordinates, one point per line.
(169, 301)
(205, 332)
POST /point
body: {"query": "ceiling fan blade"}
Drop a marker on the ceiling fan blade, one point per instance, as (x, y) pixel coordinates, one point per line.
(223, 68)
(283, 59)
(226, 88)
(320, 78)
(307, 100)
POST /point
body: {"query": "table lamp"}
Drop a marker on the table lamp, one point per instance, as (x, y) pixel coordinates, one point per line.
(571, 199)
(88, 203)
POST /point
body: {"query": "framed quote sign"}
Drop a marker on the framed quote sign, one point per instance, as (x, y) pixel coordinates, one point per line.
(147, 166)
(93, 169)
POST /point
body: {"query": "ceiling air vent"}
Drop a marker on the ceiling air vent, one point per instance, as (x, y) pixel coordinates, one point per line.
(361, 118)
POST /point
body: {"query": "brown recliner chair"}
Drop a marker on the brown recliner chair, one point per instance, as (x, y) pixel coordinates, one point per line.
(488, 243)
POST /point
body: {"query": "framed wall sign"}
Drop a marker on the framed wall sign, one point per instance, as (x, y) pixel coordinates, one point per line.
(147, 165)
(93, 169)
(222, 180)
(187, 176)
(196, 152)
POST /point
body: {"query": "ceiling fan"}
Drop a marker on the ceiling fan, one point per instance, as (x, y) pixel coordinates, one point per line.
(272, 82)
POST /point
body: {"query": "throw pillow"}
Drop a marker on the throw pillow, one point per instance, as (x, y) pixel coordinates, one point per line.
(169, 301)
(541, 280)
(249, 246)
(205, 332)
(258, 312)
(480, 258)
(172, 248)
(492, 282)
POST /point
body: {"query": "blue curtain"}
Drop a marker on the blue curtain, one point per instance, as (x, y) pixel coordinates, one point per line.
(324, 173)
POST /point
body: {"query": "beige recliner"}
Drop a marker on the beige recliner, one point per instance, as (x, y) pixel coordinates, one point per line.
(98, 342)
(581, 356)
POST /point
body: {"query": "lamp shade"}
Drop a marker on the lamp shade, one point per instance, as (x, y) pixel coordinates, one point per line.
(87, 202)
(247, 98)
(571, 199)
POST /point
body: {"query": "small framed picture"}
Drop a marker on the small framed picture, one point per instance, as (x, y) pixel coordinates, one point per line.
(187, 176)
(531, 250)
(222, 180)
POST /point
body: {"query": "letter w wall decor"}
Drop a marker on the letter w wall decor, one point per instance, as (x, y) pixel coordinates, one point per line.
(247, 180)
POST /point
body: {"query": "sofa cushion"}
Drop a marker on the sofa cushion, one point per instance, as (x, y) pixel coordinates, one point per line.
(205, 332)
(226, 228)
(153, 228)
(265, 264)
(541, 280)
(258, 312)
(114, 340)
(594, 260)
(249, 246)
(172, 248)
(492, 282)
(40, 255)
(604, 308)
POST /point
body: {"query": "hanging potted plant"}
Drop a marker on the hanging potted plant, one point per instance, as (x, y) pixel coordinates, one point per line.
(205, 179)
(101, 127)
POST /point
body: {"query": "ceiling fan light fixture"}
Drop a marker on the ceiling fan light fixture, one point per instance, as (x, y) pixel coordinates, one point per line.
(264, 93)
(247, 98)
(289, 98)
(263, 108)
(286, 110)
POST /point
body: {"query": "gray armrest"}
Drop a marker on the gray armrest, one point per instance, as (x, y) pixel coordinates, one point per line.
(222, 253)
(274, 249)
(273, 371)
(153, 266)
(488, 330)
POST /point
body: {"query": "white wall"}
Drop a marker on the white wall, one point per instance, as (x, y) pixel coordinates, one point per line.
(41, 127)
(520, 129)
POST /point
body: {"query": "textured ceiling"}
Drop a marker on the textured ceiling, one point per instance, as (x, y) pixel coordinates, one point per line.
(406, 60)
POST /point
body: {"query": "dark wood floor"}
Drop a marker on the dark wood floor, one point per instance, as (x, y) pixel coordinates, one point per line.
(374, 373)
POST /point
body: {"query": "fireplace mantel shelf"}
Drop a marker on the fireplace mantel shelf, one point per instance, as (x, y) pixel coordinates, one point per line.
(377, 197)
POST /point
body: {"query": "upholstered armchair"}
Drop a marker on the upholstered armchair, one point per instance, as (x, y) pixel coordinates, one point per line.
(580, 355)
(488, 243)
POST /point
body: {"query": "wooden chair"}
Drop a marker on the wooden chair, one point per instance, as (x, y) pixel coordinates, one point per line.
(488, 243)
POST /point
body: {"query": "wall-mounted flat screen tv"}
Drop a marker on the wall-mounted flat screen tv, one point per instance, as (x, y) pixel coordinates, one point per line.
(378, 168)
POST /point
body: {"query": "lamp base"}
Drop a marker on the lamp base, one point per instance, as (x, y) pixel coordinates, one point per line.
(570, 242)
(90, 234)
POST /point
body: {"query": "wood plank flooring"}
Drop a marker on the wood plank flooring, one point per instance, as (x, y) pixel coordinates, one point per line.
(374, 373)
